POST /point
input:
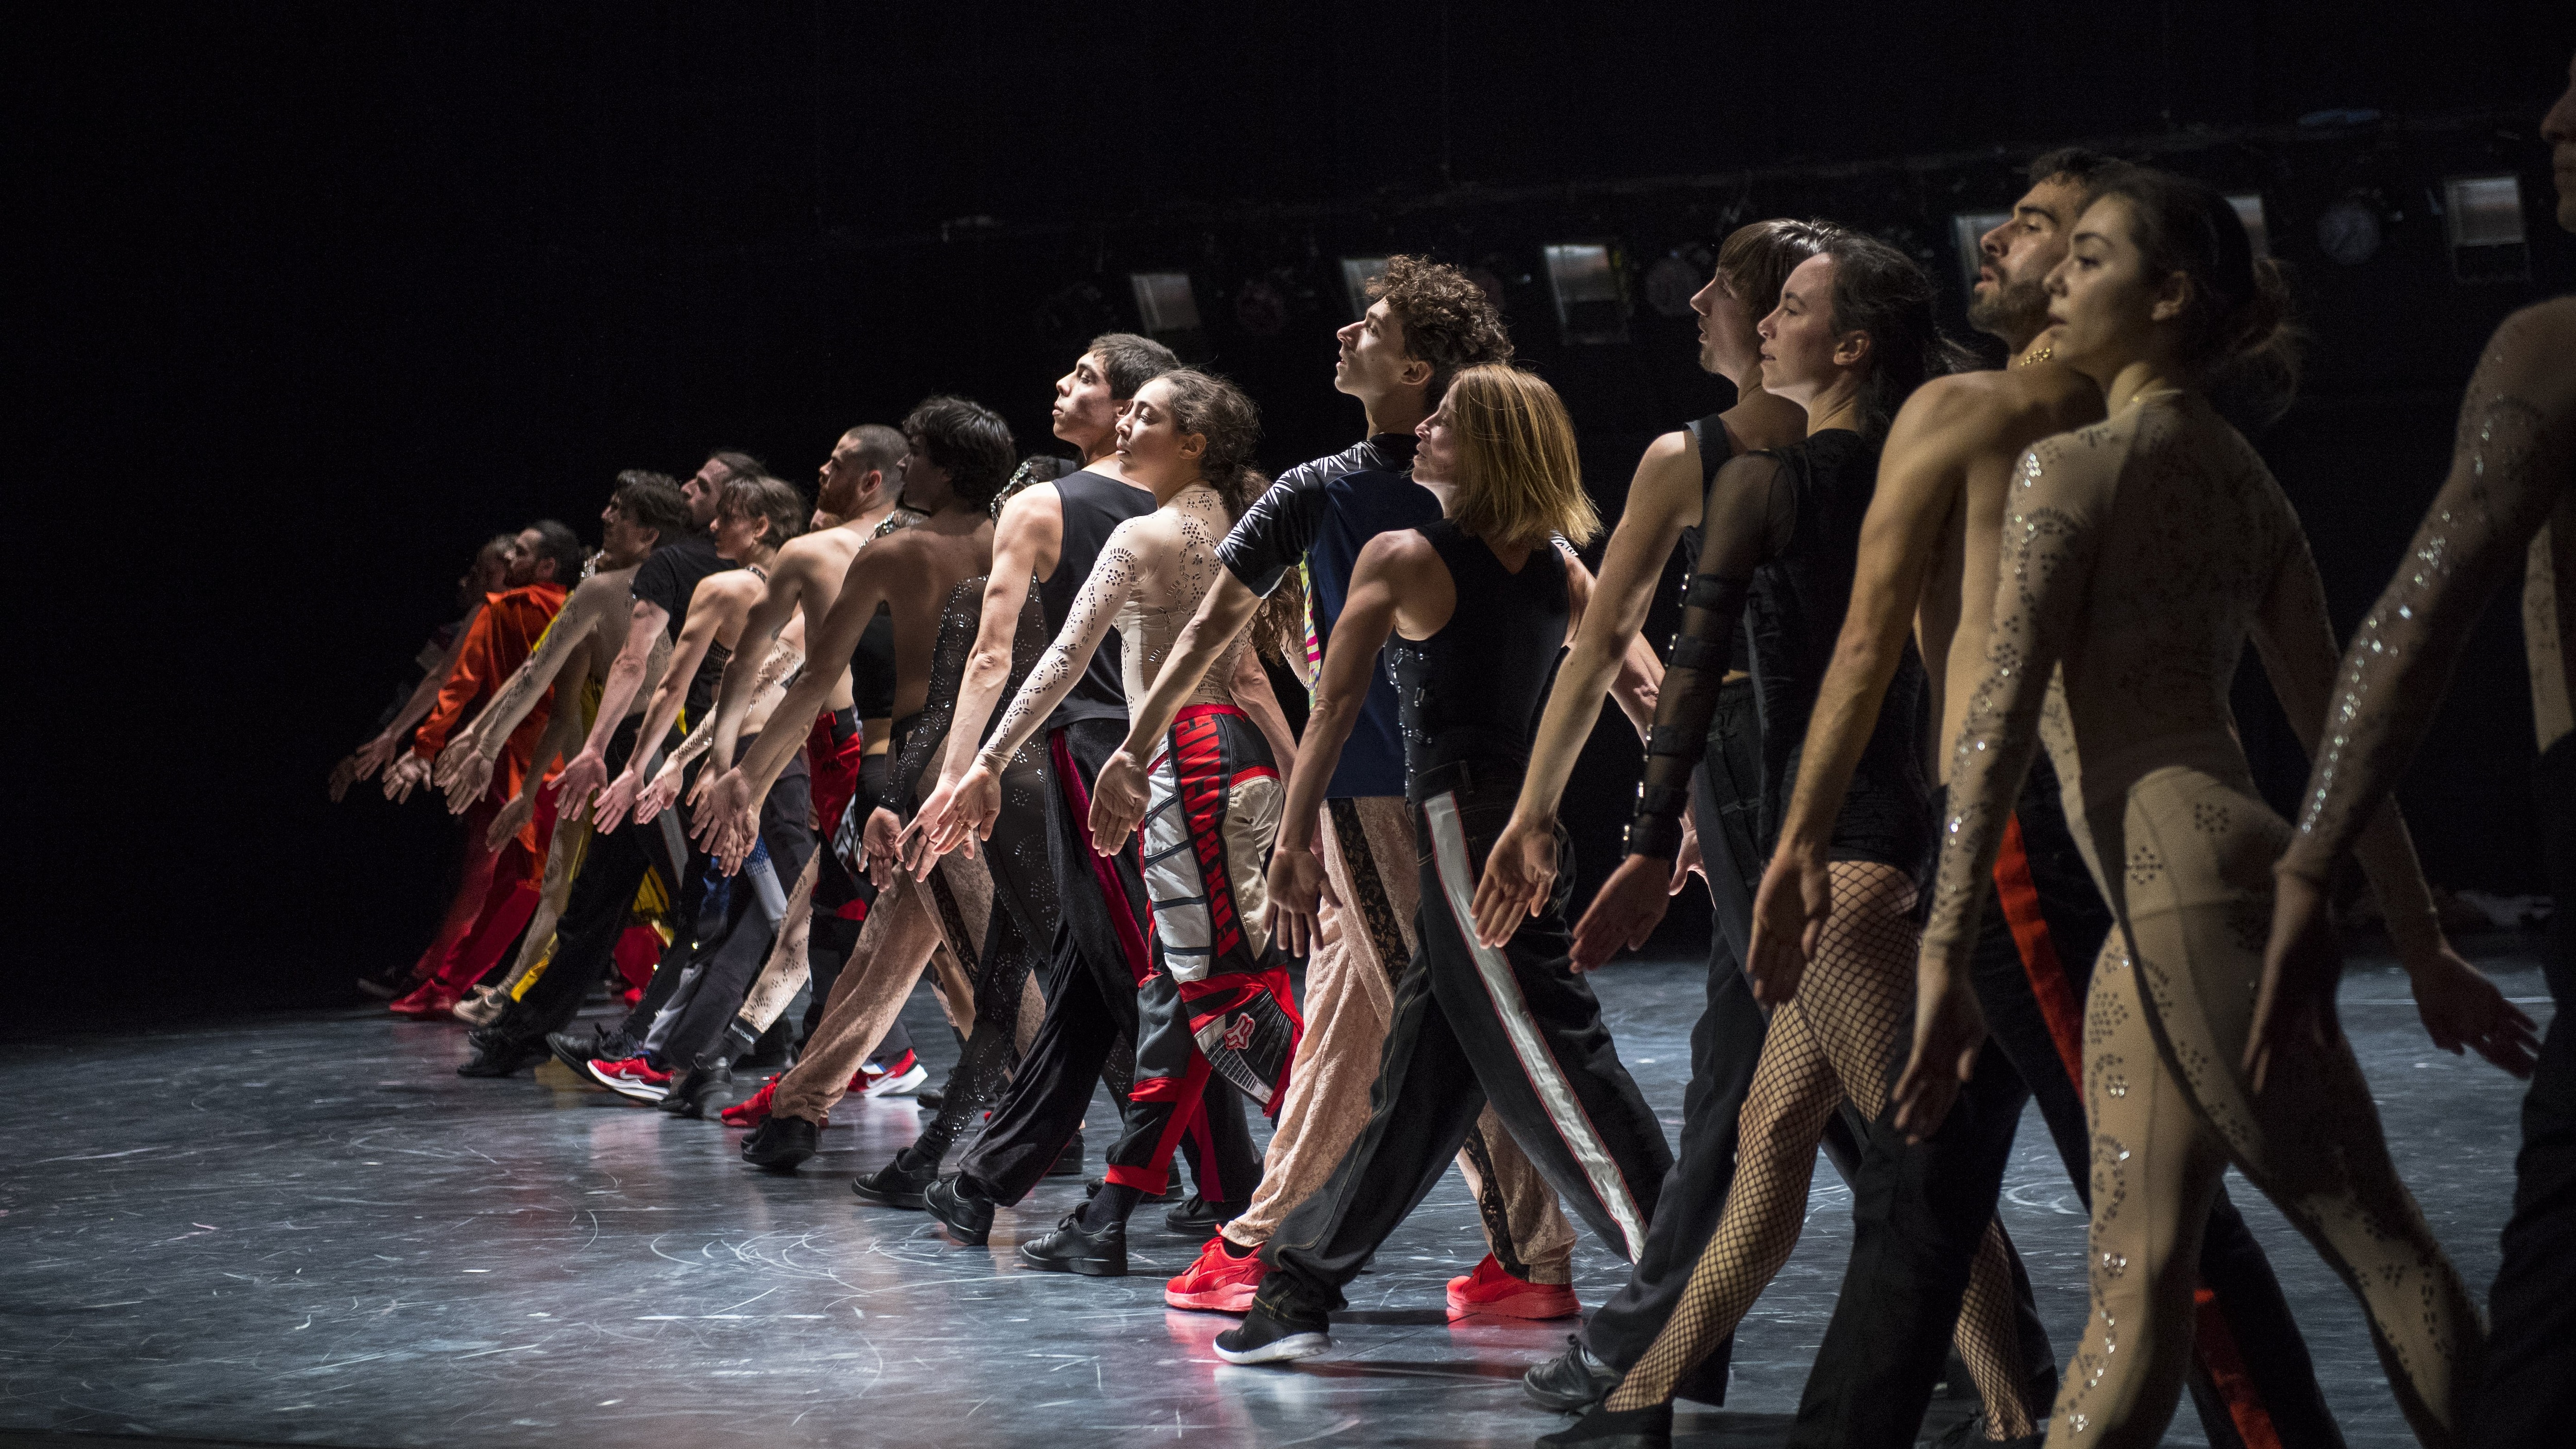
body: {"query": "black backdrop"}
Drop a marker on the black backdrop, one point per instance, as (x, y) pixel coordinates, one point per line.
(312, 300)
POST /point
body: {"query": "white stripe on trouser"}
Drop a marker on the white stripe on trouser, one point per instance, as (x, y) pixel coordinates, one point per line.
(1555, 1094)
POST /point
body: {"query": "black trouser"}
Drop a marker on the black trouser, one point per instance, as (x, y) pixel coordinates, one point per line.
(1919, 1211)
(1097, 957)
(596, 912)
(1514, 1026)
(734, 931)
(2529, 1396)
(1726, 1042)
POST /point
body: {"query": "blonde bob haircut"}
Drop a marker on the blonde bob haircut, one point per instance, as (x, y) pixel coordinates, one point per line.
(1519, 479)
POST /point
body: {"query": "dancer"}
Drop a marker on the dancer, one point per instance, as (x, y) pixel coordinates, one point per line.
(1216, 1002)
(2140, 554)
(1851, 337)
(647, 513)
(724, 945)
(2509, 497)
(1664, 504)
(1424, 322)
(1480, 602)
(1053, 533)
(1927, 561)
(958, 454)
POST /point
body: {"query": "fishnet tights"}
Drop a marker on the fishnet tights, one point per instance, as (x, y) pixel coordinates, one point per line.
(1839, 1038)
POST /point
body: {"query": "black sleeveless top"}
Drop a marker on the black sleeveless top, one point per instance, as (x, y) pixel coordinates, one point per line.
(1094, 504)
(1473, 690)
(872, 667)
(1716, 446)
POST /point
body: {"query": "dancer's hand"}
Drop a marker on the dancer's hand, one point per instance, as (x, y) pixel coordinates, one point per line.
(582, 777)
(965, 816)
(343, 775)
(1949, 1031)
(1687, 861)
(609, 810)
(2294, 1005)
(658, 796)
(721, 813)
(1627, 910)
(404, 777)
(452, 759)
(1789, 911)
(1520, 871)
(2461, 1008)
(1118, 801)
(881, 845)
(514, 815)
(936, 830)
(473, 776)
(1298, 892)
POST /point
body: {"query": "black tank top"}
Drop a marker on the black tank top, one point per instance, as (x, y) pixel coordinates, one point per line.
(1094, 504)
(1716, 446)
(1473, 690)
(872, 667)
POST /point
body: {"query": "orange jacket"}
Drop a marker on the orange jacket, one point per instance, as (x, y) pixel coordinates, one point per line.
(504, 634)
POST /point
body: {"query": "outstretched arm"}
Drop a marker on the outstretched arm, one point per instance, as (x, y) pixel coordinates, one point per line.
(474, 753)
(1026, 540)
(587, 771)
(714, 597)
(387, 742)
(2051, 538)
(1746, 520)
(768, 615)
(561, 736)
(1118, 795)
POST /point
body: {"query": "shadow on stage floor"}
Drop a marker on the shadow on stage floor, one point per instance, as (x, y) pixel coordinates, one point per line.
(309, 1230)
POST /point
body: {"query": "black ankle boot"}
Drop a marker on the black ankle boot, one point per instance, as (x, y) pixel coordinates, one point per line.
(1073, 1248)
(690, 1089)
(901, 1183)
(1603, 1427)
(968, 1216)
(502, 1057)
(781, 1142)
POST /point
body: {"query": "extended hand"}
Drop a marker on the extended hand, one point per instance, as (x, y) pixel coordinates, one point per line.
(1520, 871)
(964, 816)
(1687, 861)
(725, 813)
(609, 811)
(1949, 1031)
(1118, 801)
(583, 776)
(473, 776)
(656, 797)
(404, 777)
(1631, 904)
(881, 838)
(375, 754)
(1298, 891)
(513, 816)
(1789, 911)
(2294, 1006)
(2462, 1008)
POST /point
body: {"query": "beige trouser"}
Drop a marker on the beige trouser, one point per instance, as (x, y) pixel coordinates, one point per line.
(2170, 1110)
(1350, 993)
(913, 923)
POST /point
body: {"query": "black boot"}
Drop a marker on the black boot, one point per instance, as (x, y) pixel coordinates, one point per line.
(690, 1089)
(780, 1143)
(1602, 1427)
(1571, 1382)
(502, 1057)
(578, 1049)
(1197, 1217)
(968, 1216)
(900, 1183)
(1072, 1248)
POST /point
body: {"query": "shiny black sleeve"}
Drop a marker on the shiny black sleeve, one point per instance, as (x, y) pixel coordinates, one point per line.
(1746, 520)
(1272, 536)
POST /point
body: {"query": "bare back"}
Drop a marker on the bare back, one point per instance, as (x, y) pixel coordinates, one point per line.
(1173, 553)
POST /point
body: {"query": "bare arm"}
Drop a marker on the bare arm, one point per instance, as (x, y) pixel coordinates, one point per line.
(1113, 578)
(372, 755)
(561, 736)
(734, 801)
(1028, 536)
(529, 682)
(768, 615)
(1224, 612)
(1251, 689)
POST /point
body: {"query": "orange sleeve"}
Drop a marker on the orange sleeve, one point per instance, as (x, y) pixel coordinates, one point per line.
(466, 683)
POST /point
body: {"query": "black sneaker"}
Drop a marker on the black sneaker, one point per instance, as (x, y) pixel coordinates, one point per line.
(1571, 1382)
(1068, 1163)
(1072, 1248)
(780, 1143)
(578, 1049)
(930, 1101)
(691, 1089)
(1604, 1428)
(1091, 1187)
(503, 1057)
(1197, 1217)
(1263, 1337)
(897, 1184)
(967, 1216)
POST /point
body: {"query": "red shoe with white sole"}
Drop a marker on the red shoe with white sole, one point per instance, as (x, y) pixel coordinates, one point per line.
(1493, 1292)
(633, 1077)
(890, 1079)
(431, 1000)
(1218, 1282)
(753, 1110)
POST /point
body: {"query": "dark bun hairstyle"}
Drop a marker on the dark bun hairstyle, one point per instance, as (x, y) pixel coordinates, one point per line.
(2236, 328)
(1887, 294)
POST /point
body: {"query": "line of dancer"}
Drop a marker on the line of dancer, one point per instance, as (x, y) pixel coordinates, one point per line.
(1945, 737)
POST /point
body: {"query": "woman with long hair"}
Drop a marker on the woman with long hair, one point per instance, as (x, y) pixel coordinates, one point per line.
(1218, 999)
(1472, 610)
(2139, 556)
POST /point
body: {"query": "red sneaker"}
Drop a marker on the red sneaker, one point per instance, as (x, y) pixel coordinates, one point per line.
(1218, 1282)
(753, 1110)
(428, 1001)
(633, 1077)
(879, 1078)
(1491, 1291)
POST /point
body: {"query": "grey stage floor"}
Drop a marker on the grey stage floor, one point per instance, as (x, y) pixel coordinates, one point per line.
(310, 1230)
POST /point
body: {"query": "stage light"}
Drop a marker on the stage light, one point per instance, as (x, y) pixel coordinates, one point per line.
(2349, 232)
(2249, 210)
(1966, 227)
(1591, 302)
(1164, 302)
(1357, 273)
(2483, 215)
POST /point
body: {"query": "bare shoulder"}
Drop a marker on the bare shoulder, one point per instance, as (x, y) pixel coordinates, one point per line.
(731, 586)
(606, 589)
(1398, 551)
(2533, 357)
(1040, 506)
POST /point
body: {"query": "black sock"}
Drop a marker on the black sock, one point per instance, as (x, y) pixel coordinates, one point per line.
(1235, 1250)
(1114, 1204)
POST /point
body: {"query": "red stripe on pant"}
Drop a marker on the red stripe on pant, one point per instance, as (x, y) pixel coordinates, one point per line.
(1122, 915)
(2213, 1341)
(1184, 1116)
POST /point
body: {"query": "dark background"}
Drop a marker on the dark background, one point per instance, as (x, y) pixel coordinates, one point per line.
(312, 300)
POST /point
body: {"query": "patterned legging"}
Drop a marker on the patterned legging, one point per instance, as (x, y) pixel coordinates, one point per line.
(1839, 1037)
(2163, 1035)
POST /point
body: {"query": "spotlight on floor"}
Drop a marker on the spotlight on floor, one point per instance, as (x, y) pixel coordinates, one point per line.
(1591, 295)
(1357, 273)
(1966, 227)
(2483, 215)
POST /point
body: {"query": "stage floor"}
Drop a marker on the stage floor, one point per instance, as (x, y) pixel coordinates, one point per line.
(309, 1229)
